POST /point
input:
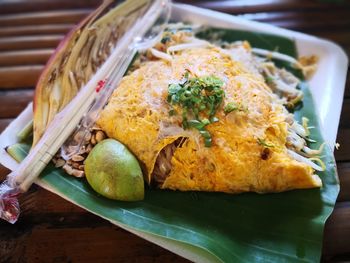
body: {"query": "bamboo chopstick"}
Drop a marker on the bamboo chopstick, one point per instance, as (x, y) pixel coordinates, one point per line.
(66, 121)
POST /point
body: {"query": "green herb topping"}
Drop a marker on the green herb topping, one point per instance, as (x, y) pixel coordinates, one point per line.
(232, 106)
(269, 80)
(264, 143)
(198, 97)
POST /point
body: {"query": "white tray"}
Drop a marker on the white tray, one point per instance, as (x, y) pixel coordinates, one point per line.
(327, 87)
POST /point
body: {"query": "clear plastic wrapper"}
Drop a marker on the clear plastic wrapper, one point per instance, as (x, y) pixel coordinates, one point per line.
(9, 205)
(143, 34)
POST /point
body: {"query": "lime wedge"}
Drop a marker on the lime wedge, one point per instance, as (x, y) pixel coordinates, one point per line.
(114, 172)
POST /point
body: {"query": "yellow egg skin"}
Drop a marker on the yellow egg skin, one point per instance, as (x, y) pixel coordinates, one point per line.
(138, 116)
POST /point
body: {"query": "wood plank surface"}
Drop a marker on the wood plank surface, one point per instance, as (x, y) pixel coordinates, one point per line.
(337, 232)
(47, 17)
(344, 177)
(13, 103)
(4, 122)
(250, 6)
(50, 227)
(343, 138)
(347, 89)
(28, 42)
(28, 6)
(345, 122)
(19, 76)
(57, 29)
(25, 57)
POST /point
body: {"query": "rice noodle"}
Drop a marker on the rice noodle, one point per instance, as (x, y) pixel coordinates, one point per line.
(163, 166)
(295, 140)
(181, 26)
(299, 129)
(192, 44)
(305, 160)
(305, 123)
(309, 151)
(323, 166)
(282, 86)
(310, 140)
(276, 55)
(161, 55)
(298, 97)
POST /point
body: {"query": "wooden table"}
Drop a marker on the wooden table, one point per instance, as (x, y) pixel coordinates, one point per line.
(51, 229)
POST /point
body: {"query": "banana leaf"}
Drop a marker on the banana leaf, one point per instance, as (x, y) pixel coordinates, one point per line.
(283, 227)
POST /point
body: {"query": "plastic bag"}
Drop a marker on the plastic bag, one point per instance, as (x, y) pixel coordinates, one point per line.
(9, 206)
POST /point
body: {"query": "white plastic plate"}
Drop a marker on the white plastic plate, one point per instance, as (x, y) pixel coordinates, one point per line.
(327, 87)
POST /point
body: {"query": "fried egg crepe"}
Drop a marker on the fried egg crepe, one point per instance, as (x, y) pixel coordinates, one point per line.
(176, 158)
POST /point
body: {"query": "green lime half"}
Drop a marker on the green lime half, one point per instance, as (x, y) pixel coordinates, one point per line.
(114, 172)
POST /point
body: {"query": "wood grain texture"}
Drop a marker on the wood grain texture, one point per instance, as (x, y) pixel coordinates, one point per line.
(25, 57)
(4, 122)
(347, 88)
(19, 76)
(52, 228)
(291, 20)
(251, 6)
(344, 119)
(81, 244)
(343, 138)
(57, 29)
(337, 231)
(29, 42)
(47, 17)
(27, 6)
(13, 103)
(344, 177)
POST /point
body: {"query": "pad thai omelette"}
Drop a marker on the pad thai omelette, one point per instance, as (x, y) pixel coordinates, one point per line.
(202, 117)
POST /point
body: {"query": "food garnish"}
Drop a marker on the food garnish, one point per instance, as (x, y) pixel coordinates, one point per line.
(199, 99)
(264, 143)
(114, 172)
(219, 85)
(232, 106)
(75, 165)
(78, 57)
(180, 116)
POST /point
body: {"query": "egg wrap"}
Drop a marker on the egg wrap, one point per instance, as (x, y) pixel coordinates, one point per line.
(138, 116)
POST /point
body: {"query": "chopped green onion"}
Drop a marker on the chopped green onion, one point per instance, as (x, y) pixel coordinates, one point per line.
(196, 124)
(269, 79)
(230, 107)
(207, 142)
(197, 96)
(172, 112)
(264, 143)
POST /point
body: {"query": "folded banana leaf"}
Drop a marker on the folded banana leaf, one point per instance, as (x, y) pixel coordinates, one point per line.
(80, 54)
(283, 227)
